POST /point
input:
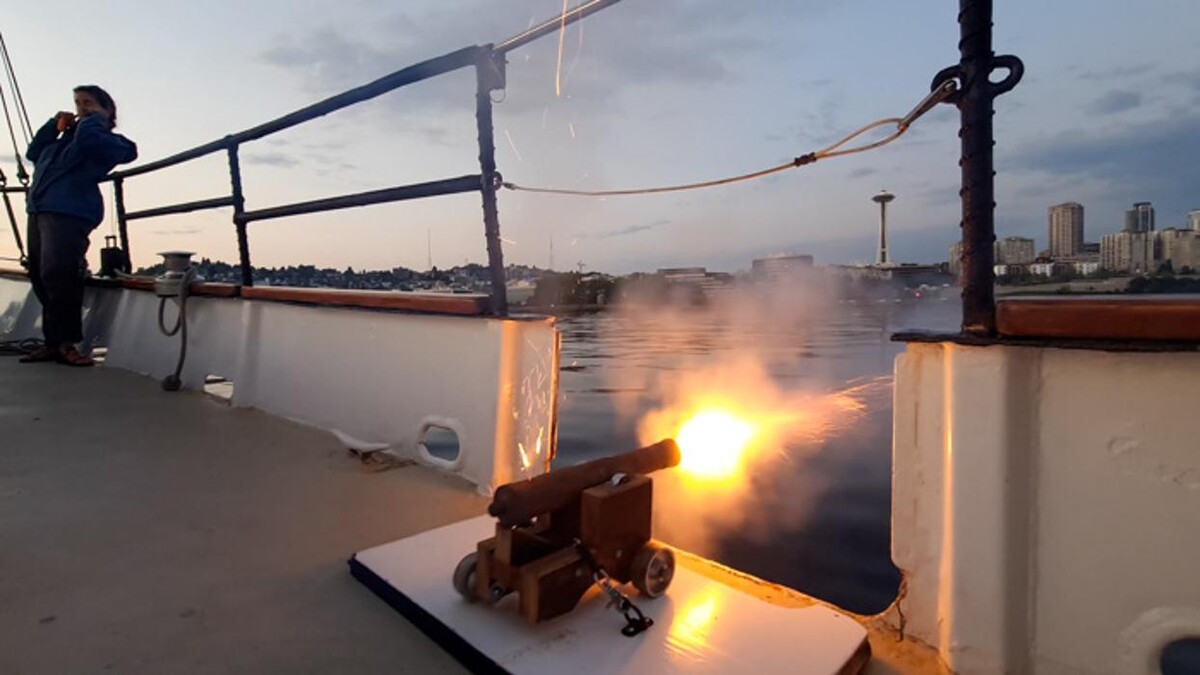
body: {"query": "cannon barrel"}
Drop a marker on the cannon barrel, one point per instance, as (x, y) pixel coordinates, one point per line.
(516, 503)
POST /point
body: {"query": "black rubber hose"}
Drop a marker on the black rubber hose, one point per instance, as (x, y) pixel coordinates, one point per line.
(173, 382)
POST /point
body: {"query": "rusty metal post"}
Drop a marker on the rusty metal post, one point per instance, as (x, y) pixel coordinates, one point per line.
(122, 224)
(489, 75)
(239, 211)
(974, 99)
(978, 189)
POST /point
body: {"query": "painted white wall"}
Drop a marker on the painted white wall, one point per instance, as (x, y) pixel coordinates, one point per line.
(379, 377)
(1046, 505)
(21, 313)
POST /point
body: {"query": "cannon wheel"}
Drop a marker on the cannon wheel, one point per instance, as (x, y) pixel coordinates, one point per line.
(464, 577)
(652, 569)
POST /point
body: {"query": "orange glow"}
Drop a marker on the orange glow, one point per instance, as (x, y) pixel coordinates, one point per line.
(688, 636)
(713, 443)
(733, 422)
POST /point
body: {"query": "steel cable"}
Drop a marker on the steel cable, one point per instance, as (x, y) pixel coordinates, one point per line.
(942, 93)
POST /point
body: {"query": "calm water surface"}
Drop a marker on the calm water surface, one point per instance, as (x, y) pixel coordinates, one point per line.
(839, 549)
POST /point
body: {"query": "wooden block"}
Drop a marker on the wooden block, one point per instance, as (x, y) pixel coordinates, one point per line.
(551, 586)
(485, 563)
(615, 522)
(518, 546)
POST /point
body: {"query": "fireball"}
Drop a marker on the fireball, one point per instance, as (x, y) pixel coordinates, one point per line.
(714, 443)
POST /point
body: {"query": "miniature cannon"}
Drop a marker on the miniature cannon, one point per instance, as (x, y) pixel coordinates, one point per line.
(561, 532)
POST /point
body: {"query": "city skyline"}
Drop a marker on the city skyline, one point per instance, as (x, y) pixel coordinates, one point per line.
(651, 94)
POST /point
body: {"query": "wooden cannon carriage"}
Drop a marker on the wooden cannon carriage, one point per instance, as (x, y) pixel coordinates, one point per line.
(559, 533)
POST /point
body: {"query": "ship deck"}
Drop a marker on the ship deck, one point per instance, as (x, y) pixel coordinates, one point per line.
(154, 532)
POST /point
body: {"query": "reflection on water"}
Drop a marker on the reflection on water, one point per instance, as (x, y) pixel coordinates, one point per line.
(614, 365)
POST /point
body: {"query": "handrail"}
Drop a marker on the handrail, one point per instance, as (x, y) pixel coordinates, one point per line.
(394, 194)
(553, 24)
(424, 70)
(185, 207)
(489, 64)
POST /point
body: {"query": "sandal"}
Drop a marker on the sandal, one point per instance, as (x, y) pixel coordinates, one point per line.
(70, 356)
(38, 355)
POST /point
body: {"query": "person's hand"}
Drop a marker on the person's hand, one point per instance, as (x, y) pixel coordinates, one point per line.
(64, 121)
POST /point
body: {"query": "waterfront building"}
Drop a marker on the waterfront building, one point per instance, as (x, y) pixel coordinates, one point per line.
(775, 267)
(1015, 251)
(1066, 229)
(1140, 218)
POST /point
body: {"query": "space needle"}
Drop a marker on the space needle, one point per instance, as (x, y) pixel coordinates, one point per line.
(882, 199)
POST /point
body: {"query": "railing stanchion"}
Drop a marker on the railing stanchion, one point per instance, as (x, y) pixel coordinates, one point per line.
(122, 224)
(239, 209)
(489, 75)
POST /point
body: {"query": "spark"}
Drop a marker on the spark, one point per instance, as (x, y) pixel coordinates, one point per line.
(508, 241)
(513, 146)
(562, 33)
(578, 50)
(571, 127)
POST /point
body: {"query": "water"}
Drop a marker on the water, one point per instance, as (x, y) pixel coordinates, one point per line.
(837, 549)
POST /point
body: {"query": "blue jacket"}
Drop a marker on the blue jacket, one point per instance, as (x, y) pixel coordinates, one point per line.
(68, 168)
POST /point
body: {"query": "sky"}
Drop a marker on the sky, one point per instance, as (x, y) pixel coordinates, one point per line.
(648, 93)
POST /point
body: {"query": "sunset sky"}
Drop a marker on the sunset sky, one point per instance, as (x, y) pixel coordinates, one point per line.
(653, 92)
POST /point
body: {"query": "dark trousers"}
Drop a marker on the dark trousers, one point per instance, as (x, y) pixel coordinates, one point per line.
(57, 246)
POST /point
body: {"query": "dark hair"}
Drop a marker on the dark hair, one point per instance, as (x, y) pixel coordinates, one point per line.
(103, 99)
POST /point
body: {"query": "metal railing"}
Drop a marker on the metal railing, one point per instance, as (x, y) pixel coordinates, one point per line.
(489, 64)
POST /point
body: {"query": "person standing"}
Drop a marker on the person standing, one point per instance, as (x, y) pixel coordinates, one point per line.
(71, 154)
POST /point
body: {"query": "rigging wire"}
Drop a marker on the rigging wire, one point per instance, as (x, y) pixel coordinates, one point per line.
(942, 93)
(22, 175)
(27, 128)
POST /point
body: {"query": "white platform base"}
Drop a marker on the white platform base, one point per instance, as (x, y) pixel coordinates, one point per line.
(701, 625)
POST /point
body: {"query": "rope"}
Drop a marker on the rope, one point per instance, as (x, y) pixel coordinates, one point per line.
(943, 92)
(20, 347)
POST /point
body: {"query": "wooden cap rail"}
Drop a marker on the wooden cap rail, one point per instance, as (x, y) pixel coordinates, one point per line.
(457, 304)
(1130, 317)
(436, 303)
(201, 288)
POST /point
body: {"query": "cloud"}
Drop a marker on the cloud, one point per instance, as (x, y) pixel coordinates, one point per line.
(1120, 72)
(278, 159)
(1115, 101)
(628, 230)
(1155, 161)
(1190, 79)
(661, 50)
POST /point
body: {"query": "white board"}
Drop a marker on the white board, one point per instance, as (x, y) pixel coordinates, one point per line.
(701, 625)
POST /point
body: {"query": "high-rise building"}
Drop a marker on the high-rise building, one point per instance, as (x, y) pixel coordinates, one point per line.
(1114, 252)
(1181, 248)
(1133, 252)
(1015, 251)
(1194, 220)
(1066, 229)
(1140, 218)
